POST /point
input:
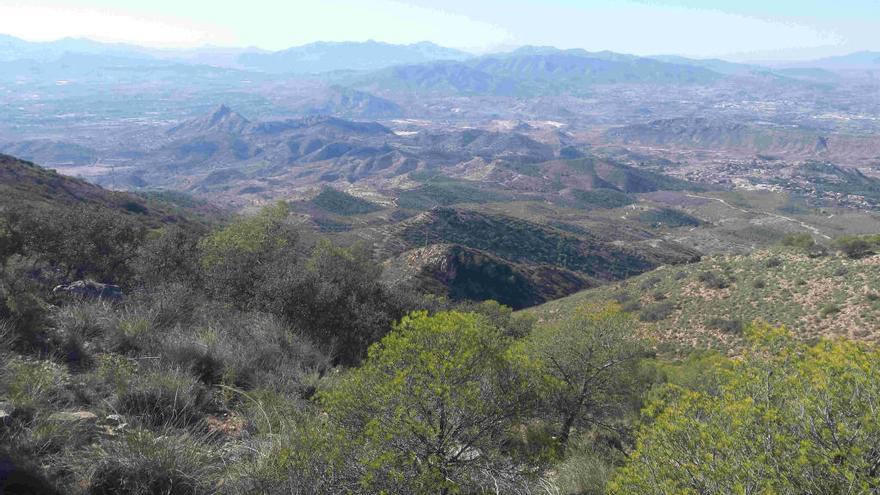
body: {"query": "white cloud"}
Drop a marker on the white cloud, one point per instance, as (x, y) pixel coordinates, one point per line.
(44, 23)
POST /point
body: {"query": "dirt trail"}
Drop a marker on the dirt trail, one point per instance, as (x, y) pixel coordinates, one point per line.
(807, 226)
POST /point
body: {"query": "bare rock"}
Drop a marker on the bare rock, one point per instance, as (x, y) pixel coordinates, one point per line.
(74, 417)
(91, 290)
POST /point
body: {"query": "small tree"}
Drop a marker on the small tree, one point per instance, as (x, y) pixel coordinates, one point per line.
(432, 405)
(335, 296)
(589, 362)
(233, 258)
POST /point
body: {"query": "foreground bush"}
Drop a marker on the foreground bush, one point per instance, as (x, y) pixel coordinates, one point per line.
(786, 419)
(146, 463)
(432, 405)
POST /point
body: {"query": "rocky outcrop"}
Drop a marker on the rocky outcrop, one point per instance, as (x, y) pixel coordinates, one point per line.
(91, 290)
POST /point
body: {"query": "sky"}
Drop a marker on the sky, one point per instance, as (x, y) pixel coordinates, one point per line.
(738, 30)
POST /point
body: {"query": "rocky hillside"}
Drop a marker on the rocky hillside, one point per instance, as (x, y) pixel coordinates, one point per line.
(461, 273)
(707, 304)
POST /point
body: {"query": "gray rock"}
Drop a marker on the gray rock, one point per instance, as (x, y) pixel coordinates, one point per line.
(74, 417)
(91, 290)
(117, 419)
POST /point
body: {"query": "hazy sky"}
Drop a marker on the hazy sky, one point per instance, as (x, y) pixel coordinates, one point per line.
(743, 29)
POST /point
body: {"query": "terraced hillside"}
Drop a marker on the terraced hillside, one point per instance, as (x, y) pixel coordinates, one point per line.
(706, 304)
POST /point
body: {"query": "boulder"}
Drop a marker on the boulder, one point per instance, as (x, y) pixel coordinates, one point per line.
(115, 419)
(74, 417)
(91, 290)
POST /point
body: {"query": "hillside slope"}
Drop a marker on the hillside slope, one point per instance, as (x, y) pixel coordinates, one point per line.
(706, 304)
(23, 183)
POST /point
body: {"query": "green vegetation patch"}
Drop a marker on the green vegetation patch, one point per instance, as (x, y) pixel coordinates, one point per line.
(601, 198)
(442, 191)
(668, 217)
(342, 203)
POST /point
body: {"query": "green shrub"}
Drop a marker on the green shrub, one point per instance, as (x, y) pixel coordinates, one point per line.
(631, 306)
(29, 383)
(853, 247)
(669, 217)
(601, 198)
(144, 463)
(734, 326)
(116, 371)
(773, 262)
(768, 423)
(342, 203)
(713, 281)
(829, 309)
(649, 283)
(657, 312)
(587, 467)
(801, 241)
(165, 398)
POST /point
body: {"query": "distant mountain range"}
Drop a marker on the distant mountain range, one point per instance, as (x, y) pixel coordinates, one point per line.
(865, 60)
(371, 55)
(307, 59)
(329, 57)
(536, 70)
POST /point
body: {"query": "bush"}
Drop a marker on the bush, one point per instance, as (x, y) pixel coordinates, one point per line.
(78, 326)
(169, 256)
(853, 247)
(621, 297)
(713, 281)
(829, 309)
(657, 312)
(336, 299)
(144, 463)
(773, 262)
(767, 423)
(165, 398)
(304, 454)
(631, 306)
(587, 467)
(28, 383)
(800, 241)
(734, 327)
(649, 283)
(450, 374)
(669, 217)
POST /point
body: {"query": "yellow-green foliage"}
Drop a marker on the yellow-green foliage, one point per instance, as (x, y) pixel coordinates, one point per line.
(431, 403)
(31, 383)
(247, 235)
(787, 418)
(589, 363)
